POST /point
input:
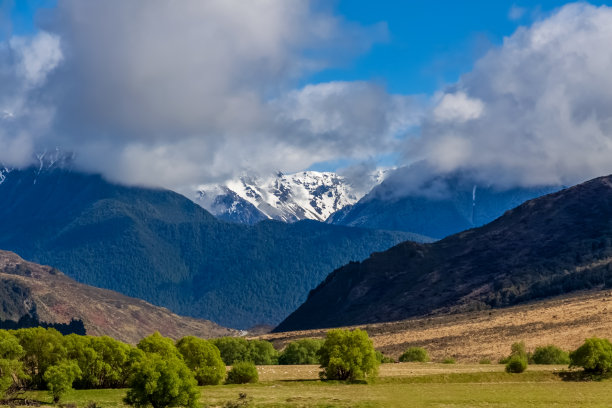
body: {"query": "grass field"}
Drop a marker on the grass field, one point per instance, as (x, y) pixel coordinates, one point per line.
(399, 385)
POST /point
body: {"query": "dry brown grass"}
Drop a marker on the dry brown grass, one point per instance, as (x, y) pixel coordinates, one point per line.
(469, 337)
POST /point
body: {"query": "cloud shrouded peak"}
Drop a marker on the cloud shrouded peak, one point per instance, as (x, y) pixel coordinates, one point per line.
(535, 111)
(176, 93)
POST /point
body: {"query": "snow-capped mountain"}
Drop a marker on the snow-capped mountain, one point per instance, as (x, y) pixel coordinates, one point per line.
(285, 197)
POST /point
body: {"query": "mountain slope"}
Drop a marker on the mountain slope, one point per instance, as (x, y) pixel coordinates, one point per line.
(40, 292)
(551, 245)
(159, 246)
(285, 197)
(436, 207)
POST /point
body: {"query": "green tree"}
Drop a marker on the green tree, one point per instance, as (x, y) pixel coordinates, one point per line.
(415, 355)
(59, 378)
(348, 355)
(262, 352)
(232, 349)
(242, 372)
(550, 355)
(11, 368)
(595, 356)
(302, 351)
(203, 358)
(43, 348)
(160, 382)
(156, 343)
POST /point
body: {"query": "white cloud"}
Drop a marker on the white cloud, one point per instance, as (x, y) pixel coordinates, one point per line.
(458, 107)
(37, 56)
(547, 97)
(175, 93)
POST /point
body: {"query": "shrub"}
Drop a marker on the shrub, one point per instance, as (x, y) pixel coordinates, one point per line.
(162, 381)
(516, 364)
(301, 352)
(550, 355)
(449, 360)
(383, 359)
(348, 355)
(415, 354)
(242, 372)
(59, 378)
(594, 356)
(484, 361)
(203, 358)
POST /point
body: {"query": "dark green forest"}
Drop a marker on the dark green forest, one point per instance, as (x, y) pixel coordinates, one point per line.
(159, 246)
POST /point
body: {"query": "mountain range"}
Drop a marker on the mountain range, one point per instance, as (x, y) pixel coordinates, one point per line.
(284, 197)
(33, 294)
(159, 246)
(551, 245)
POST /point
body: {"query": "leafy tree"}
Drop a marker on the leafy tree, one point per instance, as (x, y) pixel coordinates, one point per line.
(262, 352)
(348, 355)
(203, 358)
(550, 355)
(302, 351)
(156, 343)
(595, 356)
(11, 368)
(232, 349)
(415, 355)
(516, 364)
(242, 372)
(59, 378)
(43, 348)
(113, 364)
(162, 381)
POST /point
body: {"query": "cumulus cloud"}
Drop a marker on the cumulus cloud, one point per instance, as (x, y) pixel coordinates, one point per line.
(178, 93)
(535, 111)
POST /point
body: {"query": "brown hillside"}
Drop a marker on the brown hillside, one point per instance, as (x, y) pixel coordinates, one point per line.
(564, 321)
(26, 286)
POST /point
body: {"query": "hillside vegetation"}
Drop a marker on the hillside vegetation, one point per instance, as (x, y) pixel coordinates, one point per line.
(548, 246)
(34, 294)
(159, 246)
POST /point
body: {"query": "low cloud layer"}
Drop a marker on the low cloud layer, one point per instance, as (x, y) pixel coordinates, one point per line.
(535, 111)
(192, 92)
(177, 93)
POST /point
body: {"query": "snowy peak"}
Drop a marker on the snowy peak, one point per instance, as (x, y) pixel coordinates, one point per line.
(285, 197)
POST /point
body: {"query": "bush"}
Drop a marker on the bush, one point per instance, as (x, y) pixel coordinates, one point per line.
(59, 378)
(203, 358)
(348, 355)
(550, 355)
(484, 361)
(301, 352)
(594, 356)
(516, 364)
(415, 354)
(449, 360)
(242, 372)
(383, 359)
(162, 381)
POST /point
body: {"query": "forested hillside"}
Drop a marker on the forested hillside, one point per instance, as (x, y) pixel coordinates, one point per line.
(159, 246)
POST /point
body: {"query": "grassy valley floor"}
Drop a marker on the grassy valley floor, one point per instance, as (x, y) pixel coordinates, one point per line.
(399, 385)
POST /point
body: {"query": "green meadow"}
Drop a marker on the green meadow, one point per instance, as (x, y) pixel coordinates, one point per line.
(399, 385)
